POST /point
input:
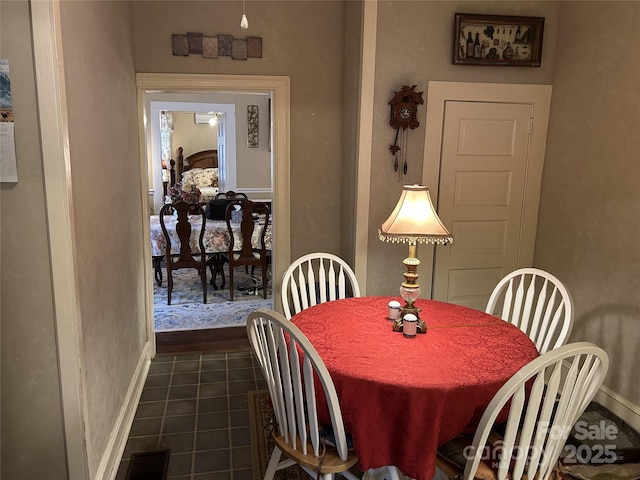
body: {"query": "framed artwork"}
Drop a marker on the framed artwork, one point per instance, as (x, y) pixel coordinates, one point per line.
(497, 40)
(252, 126)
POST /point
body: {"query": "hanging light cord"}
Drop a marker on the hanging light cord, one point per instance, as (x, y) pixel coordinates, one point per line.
(244, 23)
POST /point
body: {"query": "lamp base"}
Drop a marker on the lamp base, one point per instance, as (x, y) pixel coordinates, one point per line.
(409, 293)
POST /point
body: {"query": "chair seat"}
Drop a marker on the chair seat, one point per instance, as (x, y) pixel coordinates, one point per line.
(330, 462)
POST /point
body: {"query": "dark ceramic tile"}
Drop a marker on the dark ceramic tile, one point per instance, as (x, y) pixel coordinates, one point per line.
(241, 387)
(240, 354)
(183, 423)
(221, 447)
(244, 474)
(239, 402)
(212, 404)
(241, 374)
(213, 390)
(179, 464)
(151, 409)
(154, 394)
(212, 439)
(188, 391)
(146, 426)
(181, 407)
(212, 421)
(140, 444)
(177, 442)
(188, 366)
(239, 418)
(213, 376)
(240, 437)
(158, 380)
(164, 359)
(213, 364)
(184, 379)
(239, 362)
(193, 356)
(212, 461)
(159, 368)
(241, 457)
(214, 476)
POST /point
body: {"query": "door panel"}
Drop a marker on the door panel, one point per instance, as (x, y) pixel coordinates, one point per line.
(483, 169)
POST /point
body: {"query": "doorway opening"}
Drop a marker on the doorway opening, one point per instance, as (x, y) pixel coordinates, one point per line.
(179, 87)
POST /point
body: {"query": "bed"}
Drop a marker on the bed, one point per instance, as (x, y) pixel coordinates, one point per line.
(200, 168)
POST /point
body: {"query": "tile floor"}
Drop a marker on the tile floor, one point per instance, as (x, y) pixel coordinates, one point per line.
(196, 405)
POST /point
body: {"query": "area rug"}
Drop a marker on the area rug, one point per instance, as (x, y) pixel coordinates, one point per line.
(188, 312)
(260, 415)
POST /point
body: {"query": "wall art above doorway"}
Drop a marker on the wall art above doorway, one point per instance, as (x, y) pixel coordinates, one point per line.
(497, 40)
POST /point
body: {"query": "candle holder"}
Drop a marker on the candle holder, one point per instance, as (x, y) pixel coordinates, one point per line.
(398, 325)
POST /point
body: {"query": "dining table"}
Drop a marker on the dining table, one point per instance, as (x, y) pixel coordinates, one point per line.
(216, 237)
(403, 397)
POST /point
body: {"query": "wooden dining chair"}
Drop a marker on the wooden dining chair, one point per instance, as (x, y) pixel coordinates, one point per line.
(294, 372)
(316, 278)
(545, 398)
(185, 258)
(242, 251)
(537, 303)
(230, 194)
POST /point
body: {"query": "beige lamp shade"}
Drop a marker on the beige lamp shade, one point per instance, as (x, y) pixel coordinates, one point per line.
(414, 220)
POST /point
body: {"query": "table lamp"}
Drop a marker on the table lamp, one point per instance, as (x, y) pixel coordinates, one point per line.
(413, 221)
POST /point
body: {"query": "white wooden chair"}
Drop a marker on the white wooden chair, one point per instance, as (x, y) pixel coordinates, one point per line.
(316, 278)
(545, 399)
(537, 303)
(291, 379)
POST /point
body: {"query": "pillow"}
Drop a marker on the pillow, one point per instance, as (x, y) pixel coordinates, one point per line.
(207, 177)
(217, 209)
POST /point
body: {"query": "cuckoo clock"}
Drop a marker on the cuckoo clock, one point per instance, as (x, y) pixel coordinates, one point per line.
(404, 114)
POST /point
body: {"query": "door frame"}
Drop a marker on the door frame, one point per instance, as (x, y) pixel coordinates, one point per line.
(539, 96)
(279, 89)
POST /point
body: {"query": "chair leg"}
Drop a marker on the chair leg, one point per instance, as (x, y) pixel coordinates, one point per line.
(231, 282)
(169, 286)
(157, 268)
(216, 266)
(273, 464)
(203, 278)
(264, 278)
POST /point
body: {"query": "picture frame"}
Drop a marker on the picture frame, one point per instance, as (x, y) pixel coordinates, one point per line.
(252, 126)
(497, 40)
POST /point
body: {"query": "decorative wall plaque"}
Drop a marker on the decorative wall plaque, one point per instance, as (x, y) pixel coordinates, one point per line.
(252, 126)
(216, 46)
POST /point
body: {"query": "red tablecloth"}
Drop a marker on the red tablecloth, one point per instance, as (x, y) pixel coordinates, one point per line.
(403, 397)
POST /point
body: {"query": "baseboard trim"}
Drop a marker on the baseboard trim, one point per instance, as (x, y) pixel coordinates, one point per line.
(110, 462)
(620, 406)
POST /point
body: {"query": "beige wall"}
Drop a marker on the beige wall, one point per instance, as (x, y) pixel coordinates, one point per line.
(351, 95)
(301, 39)
(103, 126)
(592, 155)
(589, 226)
(426, 39)
(32, 436)
(190, 136)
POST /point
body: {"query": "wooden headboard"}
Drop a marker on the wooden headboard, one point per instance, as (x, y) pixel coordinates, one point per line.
(203, 159)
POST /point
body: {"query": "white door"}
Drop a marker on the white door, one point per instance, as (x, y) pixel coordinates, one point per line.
(488, 191)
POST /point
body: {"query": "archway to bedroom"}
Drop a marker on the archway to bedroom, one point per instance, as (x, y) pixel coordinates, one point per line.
(197, 322)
